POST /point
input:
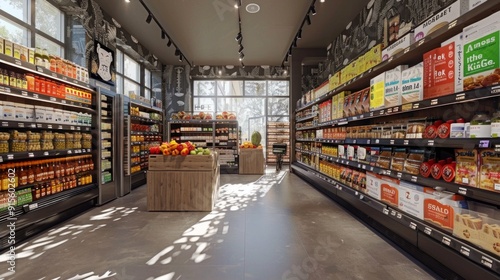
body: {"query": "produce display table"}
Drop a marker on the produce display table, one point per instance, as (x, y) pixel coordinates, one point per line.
(251, 161)
(183, 183)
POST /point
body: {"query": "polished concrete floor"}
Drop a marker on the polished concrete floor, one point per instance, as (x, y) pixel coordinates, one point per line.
(264, 228)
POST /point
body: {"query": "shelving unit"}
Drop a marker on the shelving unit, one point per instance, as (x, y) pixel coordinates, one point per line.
(431, 244)
(277, 132)
(146, 130)
(49, 148)
(220, 135)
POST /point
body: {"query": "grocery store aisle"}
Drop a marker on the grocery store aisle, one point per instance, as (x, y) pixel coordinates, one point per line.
(269, 227)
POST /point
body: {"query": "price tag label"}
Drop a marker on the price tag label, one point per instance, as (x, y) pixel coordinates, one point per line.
(30, 155)
(389, 111)
(52, 99)
(17, 62)
(39, 125)
(427, 230)
(385, 211)
(388, 172)
(393, 213)
(4, 124)
(364, 166)
(487, 261)
(354, 118)
(72, 128)
(495, 90)
(45, 153)
(460, 96)
(421, 42)
(462, 191)
(392, 142)
(390, 59)
(430, 143)
(20, 125)
(399, 175)
(24, 93)
(406, 142)
(434, 102)
(452, 24)
(416, 105)
(340, 187)
(446, 240)
(406, 50)
(59, 127)
(359, 165)
(381, 112)
(399, 216)
(33, 125)
(356, 193)
(377, 141)
(413, 225)
(395, 109)
(371, 168)
(413, 179)
(35, 95)
(368, 142)
(347, 162)
(63, 101)
(10, 157)
(33, 206)
(54, 75)
(39, 69)
(1, 159)
(70, 152)
(465, 251)
(49, 126)
(371, 114)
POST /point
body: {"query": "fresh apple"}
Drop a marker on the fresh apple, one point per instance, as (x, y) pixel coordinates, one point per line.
(206, 152)
(193, 152)
(185, 152)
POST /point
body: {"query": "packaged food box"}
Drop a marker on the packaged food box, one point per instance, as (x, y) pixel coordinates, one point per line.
(411, 199)
(341, 101)
(398, 46)
(8, 47)
(365, 101)
(374, 154)
(438, 20)
(355, 98)
(347, 105)
(439, 207)
(389, 191)
(456, 41)
(489, 170)
(334, 81)
(9, 111)
(373, 183)
(481, 51)
(335, 106)
(1, 45)
(377, 90)
(354, 180)
(467, 167)
(384, 158)
(475, 3)
(412, 87)
(398, 159)
(439, 78)
(373, 57)
(413, 161)
(392, 88)
(351, 152)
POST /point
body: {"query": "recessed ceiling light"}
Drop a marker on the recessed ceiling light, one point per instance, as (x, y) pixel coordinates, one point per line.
(253, 8)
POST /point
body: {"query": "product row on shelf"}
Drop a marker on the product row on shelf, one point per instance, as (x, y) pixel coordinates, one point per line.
(277, 133)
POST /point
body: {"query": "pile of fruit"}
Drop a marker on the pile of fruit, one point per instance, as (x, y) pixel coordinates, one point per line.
(255, 143)
(187, 116)
(173, 148)
(226, 116)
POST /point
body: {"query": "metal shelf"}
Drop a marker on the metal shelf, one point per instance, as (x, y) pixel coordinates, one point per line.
(41, 154)
(32, 125)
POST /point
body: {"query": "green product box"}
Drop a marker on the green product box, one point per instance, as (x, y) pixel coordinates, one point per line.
(24, 196)
(481, 62)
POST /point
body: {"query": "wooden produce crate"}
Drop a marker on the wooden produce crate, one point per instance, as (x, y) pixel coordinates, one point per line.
(182, 183)
(251, 161)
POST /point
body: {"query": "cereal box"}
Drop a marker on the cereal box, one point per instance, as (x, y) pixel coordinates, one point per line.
(335, 106)
(467, 167)
(347, 105)
(377, 89)
(356, 103)
(481, 51)
(397, 46)
(389, 191)
(475, 3)
(373, 57)
(334, 81)
(456, 41)
(373, 182)
(411, 199)
(489, 177)
(438, 20)
(1, 45)
(392, 89)
(439, 207)
(341, 101)
(439, 78)
(412, 88)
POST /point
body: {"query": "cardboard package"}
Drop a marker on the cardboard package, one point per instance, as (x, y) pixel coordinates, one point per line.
(481, 51)
(411, 199)
(412, 87)
(377, 90)
(467, 167)
(389, 191)
(456, 41)
(439, 20)
(373, 57)
(439, 207)
(439, 68)
(392, 88)
(398, 46)
(373, 183)
(489, 170)
(334, 81)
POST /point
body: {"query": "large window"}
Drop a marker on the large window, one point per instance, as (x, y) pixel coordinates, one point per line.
(47, 32)
(253, 102)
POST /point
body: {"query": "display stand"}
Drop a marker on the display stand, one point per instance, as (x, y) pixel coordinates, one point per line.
(182, 183)
(252, 161)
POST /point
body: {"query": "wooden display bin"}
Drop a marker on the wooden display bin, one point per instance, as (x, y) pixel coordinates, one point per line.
(251, 161)
(182, 183)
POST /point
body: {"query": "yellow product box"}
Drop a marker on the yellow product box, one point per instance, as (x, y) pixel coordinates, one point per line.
(1, 45)
(340, 102)
(489, 171)
(373, 57)
(467, 167)
(352, 70)
(334, 81)
(377, 89)
(7, 45)
(17, 51)
(31, 56)
(335, 100)
(360, 65)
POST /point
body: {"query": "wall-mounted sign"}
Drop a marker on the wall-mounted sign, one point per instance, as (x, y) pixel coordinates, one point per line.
(102, 64)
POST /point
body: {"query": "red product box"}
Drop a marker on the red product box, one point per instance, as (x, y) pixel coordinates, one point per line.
(439, 71)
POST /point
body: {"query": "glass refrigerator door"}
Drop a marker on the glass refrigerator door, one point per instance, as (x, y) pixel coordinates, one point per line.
(106, 150)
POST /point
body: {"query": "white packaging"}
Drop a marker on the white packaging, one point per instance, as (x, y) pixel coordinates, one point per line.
(58, 116)
(39, 113)
(457, 130)
(438, 20)
(467, 130)
(319, 133)
(373, 183)
(398, 46)
(411, 199)
(20, 112)
(459, 75)
(341, 151)
(351, 153)
(1, 108)
(9, 111)
(66, 117)
(392, 88)
(475, 3)
(73, 118)
(412, 85)
(49, 115)
(30, 113)
(377, 86)
(480, 131)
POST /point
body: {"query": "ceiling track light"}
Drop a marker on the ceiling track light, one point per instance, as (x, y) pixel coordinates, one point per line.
(322, 1)
(240, 49)
(308, 19)
(295, 43)
(290, 51)
(299, 34)
(163, 35)
(149, 18)
(180, 58)
(312, 10)
(242, 55)
(242, 65)
(169, 43)
(239, 37)
(177, 52)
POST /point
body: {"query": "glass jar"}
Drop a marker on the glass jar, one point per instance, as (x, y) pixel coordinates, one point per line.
(480, 125)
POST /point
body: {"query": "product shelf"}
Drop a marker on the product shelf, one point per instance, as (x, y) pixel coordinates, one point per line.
(458, 143)
(41, 154)
(306, 118)
(34, 125)
(141, 119)
(146, 106)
